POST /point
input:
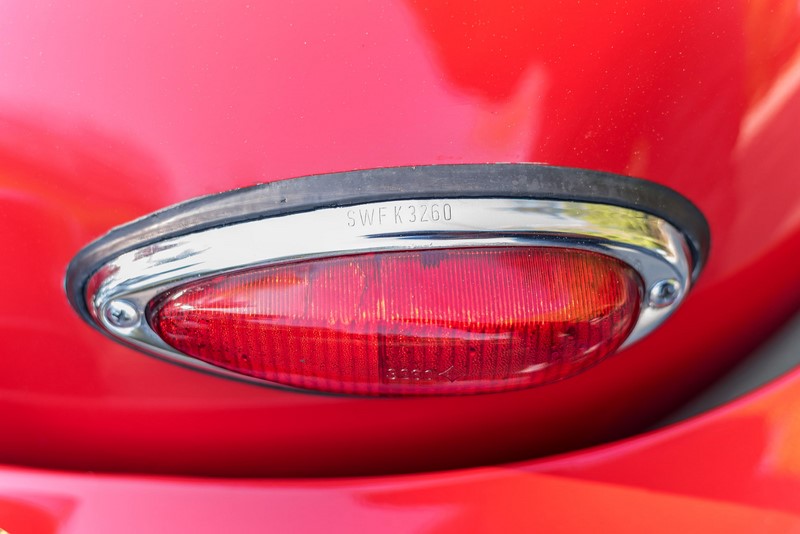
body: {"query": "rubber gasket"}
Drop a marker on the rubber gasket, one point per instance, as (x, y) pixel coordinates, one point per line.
(497, 180)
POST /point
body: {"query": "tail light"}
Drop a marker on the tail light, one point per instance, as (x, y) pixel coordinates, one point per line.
(434, 321)
(405, 296)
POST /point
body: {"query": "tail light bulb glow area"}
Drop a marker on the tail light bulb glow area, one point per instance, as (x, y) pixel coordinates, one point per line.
(452, 321)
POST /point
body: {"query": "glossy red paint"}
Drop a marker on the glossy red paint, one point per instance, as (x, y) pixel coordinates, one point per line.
(736, 469)
(109, 111)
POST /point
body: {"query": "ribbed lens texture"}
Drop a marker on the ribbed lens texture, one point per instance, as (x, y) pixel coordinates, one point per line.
(416, 322)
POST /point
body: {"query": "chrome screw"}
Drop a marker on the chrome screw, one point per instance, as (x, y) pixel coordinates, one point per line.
(121, 313)
(664, 293)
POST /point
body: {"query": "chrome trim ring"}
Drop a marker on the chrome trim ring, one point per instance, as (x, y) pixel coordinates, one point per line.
(118, 294)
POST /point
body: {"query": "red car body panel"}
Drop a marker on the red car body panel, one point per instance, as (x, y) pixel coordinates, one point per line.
(736, 469)
(111, 111)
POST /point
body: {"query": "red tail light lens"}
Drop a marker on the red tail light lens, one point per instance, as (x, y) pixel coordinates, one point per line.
(415, 322)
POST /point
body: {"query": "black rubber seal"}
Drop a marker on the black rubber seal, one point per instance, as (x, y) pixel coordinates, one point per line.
(503, 180)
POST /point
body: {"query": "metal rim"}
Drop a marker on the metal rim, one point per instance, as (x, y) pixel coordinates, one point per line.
(112, 281)
(496, 180)
(125, 286)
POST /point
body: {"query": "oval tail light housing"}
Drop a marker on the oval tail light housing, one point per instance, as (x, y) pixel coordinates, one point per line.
(409, 293)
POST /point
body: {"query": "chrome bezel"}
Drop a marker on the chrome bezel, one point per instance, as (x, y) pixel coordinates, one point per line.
(652, 246)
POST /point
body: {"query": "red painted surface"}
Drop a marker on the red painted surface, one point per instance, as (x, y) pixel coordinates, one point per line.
(733, 470)
(109, 111)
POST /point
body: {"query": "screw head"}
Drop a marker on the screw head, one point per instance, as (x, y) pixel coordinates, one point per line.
(121, 313)
(664, 293)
